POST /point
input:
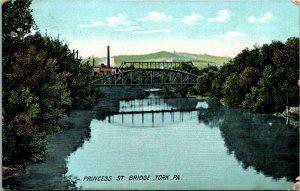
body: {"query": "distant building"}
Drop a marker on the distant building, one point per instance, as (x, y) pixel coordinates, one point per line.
(105, 69)
(107, 66)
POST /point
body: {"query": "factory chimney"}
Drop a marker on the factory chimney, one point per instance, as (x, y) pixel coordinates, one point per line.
(108, 57)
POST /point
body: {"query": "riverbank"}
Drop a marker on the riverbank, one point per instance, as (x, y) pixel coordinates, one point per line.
(50, 173)
(10, 172)
(292, 115)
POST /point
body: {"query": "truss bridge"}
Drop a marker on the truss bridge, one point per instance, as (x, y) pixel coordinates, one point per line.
(149, 73)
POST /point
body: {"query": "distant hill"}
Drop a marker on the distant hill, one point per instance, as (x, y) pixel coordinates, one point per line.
(198, 60)
(98, 60)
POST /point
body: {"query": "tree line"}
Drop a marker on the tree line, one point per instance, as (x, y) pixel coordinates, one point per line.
(42, 81)
(261, 79)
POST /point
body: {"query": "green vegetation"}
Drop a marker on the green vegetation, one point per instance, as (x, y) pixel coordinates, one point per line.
(198, 60)
(202, 61)
(261, 79)
(42, 80)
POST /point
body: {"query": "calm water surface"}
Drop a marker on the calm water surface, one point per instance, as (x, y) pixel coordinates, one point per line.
(208, 145)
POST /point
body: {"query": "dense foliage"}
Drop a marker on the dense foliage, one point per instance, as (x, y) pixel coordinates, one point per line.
(183, 90)
(262, 79)
(42, 80)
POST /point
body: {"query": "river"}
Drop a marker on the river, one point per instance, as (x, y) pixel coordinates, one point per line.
(196, 144)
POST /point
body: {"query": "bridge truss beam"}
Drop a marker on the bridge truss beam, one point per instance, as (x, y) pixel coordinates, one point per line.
(153, 65)
(147, 77)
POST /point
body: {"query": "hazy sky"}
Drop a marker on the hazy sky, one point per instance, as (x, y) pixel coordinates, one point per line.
(137, 26)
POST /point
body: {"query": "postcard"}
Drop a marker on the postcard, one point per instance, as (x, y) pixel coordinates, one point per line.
(150, 94)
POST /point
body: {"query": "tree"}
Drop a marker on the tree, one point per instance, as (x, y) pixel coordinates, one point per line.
(22, 140)
(16, 18)
(247, 77)
(23, 101)
(220, 79)
(261, 79)
(266, 53)
(246, 58)
(231, 91)
(41, 81)
(204, 82)
(287, 73)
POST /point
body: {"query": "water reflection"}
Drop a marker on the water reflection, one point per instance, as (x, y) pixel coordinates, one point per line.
(157, 110)
(260, 141)
(256, 140)
(153, 111)
(156, 103)
(187, 137)
(150, 119)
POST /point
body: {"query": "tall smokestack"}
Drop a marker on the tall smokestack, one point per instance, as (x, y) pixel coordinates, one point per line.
(108, 57)
(93, 61)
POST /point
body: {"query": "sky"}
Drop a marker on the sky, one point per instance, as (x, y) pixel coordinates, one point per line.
(215, 27)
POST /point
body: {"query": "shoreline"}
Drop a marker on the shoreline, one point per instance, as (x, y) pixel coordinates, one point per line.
(50, 173)
(291, 115)
(11, 171)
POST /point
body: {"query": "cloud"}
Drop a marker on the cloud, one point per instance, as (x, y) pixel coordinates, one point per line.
(131, 28)
(192, 19)
(223, 16)
(265, 19)
(157, 17)
(232, 35)
(151, 31)
(94, 24)
(118, 20)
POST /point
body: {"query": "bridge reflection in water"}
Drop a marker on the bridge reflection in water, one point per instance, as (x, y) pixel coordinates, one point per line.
(154, 110)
